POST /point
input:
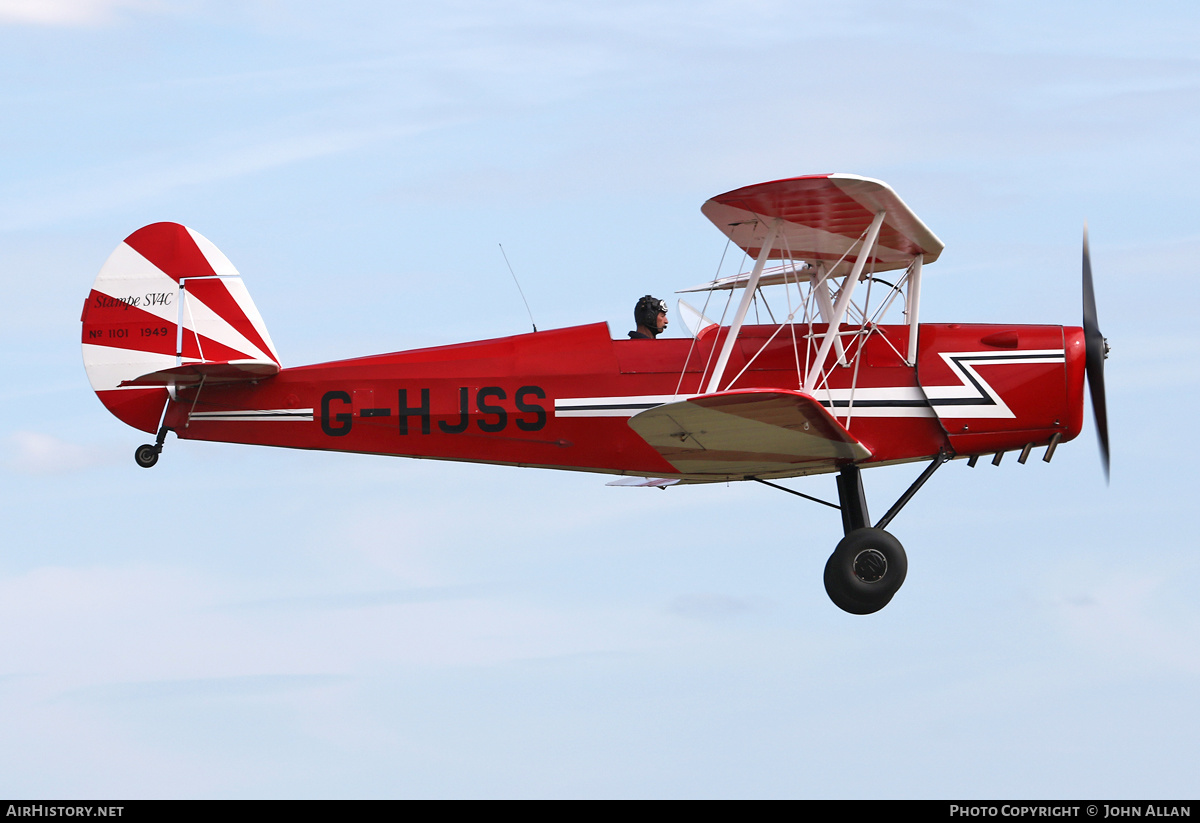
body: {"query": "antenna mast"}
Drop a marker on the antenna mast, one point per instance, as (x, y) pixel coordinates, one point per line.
(519, 290)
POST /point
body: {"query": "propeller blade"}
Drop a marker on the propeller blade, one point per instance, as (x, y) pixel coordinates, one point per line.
(1097, 350)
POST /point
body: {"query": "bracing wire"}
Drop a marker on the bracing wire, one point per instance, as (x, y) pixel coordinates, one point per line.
(703, 313)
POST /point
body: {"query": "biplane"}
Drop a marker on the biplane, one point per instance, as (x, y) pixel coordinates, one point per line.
(172, 342)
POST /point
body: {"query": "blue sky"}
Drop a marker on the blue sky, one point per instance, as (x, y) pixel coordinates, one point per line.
(247, 622)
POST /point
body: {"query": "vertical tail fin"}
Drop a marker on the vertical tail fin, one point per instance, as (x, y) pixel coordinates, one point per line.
(166, 298)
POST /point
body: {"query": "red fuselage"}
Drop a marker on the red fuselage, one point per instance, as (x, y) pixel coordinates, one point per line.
(562, 399)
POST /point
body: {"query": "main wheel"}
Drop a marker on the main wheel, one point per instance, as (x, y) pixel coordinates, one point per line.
(146, 456)
(865, 571)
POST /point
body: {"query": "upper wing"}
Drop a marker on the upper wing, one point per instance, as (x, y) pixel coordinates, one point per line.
(737, 434)
(825, 215)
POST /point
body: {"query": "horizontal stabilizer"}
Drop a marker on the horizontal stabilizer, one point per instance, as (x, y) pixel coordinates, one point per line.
(750, 433)
(191, 374)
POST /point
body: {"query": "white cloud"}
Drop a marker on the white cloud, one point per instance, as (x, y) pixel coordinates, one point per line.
(37, 453)
(1132, 620)
(64, 12)
(710, 606)
(154, 626)
(100, 190)
(1149, 361)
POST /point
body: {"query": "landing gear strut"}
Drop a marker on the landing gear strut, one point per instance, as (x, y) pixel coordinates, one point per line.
(868, 566)
(146, 455)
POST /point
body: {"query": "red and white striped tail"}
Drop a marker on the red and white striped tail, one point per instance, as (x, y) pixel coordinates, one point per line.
(167, 299)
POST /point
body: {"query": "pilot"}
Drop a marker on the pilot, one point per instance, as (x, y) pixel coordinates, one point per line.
(650, 314)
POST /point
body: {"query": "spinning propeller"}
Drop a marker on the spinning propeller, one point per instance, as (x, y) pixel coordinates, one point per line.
(1097, 352)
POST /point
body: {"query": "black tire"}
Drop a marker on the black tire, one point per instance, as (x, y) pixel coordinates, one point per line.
(865, 571)
(146, 456)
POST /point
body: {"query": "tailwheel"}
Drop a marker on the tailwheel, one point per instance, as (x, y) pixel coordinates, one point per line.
(147, 455)
(865, 571)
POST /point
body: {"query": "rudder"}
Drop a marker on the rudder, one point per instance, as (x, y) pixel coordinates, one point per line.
(166, 298)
